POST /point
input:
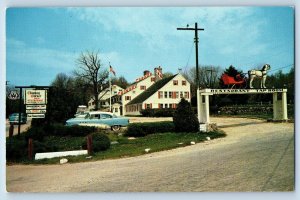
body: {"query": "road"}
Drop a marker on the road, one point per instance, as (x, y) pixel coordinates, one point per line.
(255, 156)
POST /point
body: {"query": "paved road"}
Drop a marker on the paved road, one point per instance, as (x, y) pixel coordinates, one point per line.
(255, 156)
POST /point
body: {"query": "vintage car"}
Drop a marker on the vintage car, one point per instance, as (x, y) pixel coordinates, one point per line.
(100, 119)
(14, 118)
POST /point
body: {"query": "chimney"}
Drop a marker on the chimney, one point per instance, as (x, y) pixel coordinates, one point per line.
(158, 73)
(146, 72)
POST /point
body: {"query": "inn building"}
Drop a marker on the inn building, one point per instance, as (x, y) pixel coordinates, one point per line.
(150, 90)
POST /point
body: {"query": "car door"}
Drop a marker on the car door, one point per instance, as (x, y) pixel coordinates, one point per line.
(107, 119)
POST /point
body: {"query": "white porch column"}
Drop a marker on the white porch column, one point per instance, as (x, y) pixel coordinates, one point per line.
(207, 108)
(275, 111)
(199, 103)
(284, 106)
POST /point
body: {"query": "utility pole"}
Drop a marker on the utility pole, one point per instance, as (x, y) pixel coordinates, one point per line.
(210, 80)
(196, 40)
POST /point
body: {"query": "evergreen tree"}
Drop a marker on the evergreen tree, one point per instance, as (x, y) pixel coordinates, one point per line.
(184, 118)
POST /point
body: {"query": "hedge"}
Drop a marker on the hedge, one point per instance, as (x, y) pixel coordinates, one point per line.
(143, 129)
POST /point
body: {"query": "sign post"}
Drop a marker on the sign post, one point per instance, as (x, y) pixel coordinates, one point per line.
(35, 99)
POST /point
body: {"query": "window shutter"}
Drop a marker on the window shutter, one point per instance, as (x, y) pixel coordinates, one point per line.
(145, 105)
(151, 105)
(158, 94)
(188, 95)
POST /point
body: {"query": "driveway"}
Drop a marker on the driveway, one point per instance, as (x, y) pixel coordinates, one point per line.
(255, 156)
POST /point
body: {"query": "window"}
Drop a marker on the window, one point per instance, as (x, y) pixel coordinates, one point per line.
(175, 82)
(152, 79)
(186, 95)
(170, 105)
(166, 95)
(170, 95)
(160, 95)
(181, 94)
(95, 116)
(160, 105)
(183, 82)
(116, 109)
(127, 98)
(166, 105)
(148, 106)
(142, 87)
(105, 116)
(177, 95)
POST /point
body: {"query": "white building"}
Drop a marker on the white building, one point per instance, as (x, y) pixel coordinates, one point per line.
(165, 93)
(140, 86)
(104, 98)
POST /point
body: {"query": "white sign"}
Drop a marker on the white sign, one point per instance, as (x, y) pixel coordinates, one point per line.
(35, 111)
(36, 115)
(240, 91)
(13, 95)
(35, 96)
(38, 107)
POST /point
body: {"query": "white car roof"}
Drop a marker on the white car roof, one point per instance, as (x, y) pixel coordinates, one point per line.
(100, 112)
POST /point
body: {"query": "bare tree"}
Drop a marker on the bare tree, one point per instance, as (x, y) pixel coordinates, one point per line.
(89, 65)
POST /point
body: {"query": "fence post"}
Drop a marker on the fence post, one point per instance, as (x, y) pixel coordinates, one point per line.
(89, 144)
(11, 131)
(30, 149)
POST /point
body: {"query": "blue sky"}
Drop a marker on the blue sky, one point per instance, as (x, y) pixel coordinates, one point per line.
(42, 42)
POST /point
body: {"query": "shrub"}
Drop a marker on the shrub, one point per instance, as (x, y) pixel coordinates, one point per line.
(15, 149)
(184, 118)
(35, 133)
(101, 142)
(143, 129)
(163, 112)
(40, 147)
(61, 130)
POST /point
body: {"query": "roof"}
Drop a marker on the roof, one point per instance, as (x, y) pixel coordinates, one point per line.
(151, 90)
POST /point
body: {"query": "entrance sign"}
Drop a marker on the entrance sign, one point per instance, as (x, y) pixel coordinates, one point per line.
(36, 107)
(35, 96)
(13, 95)
(279, 106)
(240, 91)
(36, 115)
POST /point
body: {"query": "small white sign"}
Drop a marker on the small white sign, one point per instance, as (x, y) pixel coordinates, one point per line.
(36, 115)
(36, 111)
(13, 95)
(35, 96)
(38, 107)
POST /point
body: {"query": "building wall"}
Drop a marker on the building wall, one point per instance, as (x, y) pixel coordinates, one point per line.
(128, 96)
(159, 101)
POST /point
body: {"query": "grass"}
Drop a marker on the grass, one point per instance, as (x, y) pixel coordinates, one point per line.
(126, 147)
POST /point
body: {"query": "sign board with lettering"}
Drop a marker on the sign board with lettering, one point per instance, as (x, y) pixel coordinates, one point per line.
(36, 115)
(35, 111)
(36, 107)
(240, 91)
(35, 96)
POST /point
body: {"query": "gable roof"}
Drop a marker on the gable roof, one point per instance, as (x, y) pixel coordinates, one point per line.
(151, 90)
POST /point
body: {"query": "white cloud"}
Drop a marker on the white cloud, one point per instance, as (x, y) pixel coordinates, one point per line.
(228, 30)
(44, 58)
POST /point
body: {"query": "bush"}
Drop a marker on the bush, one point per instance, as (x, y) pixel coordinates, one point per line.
(15, 149)
(143, 129)
(184, 118)
(162, 112)
(100, 142)
(39, 147)
(35, 133)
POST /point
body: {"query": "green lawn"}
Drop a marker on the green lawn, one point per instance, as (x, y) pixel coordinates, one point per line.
(126, 147)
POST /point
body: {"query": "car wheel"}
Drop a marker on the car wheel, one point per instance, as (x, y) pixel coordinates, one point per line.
(115, 128)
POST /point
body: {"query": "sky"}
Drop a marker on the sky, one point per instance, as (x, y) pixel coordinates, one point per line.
(43, 42)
